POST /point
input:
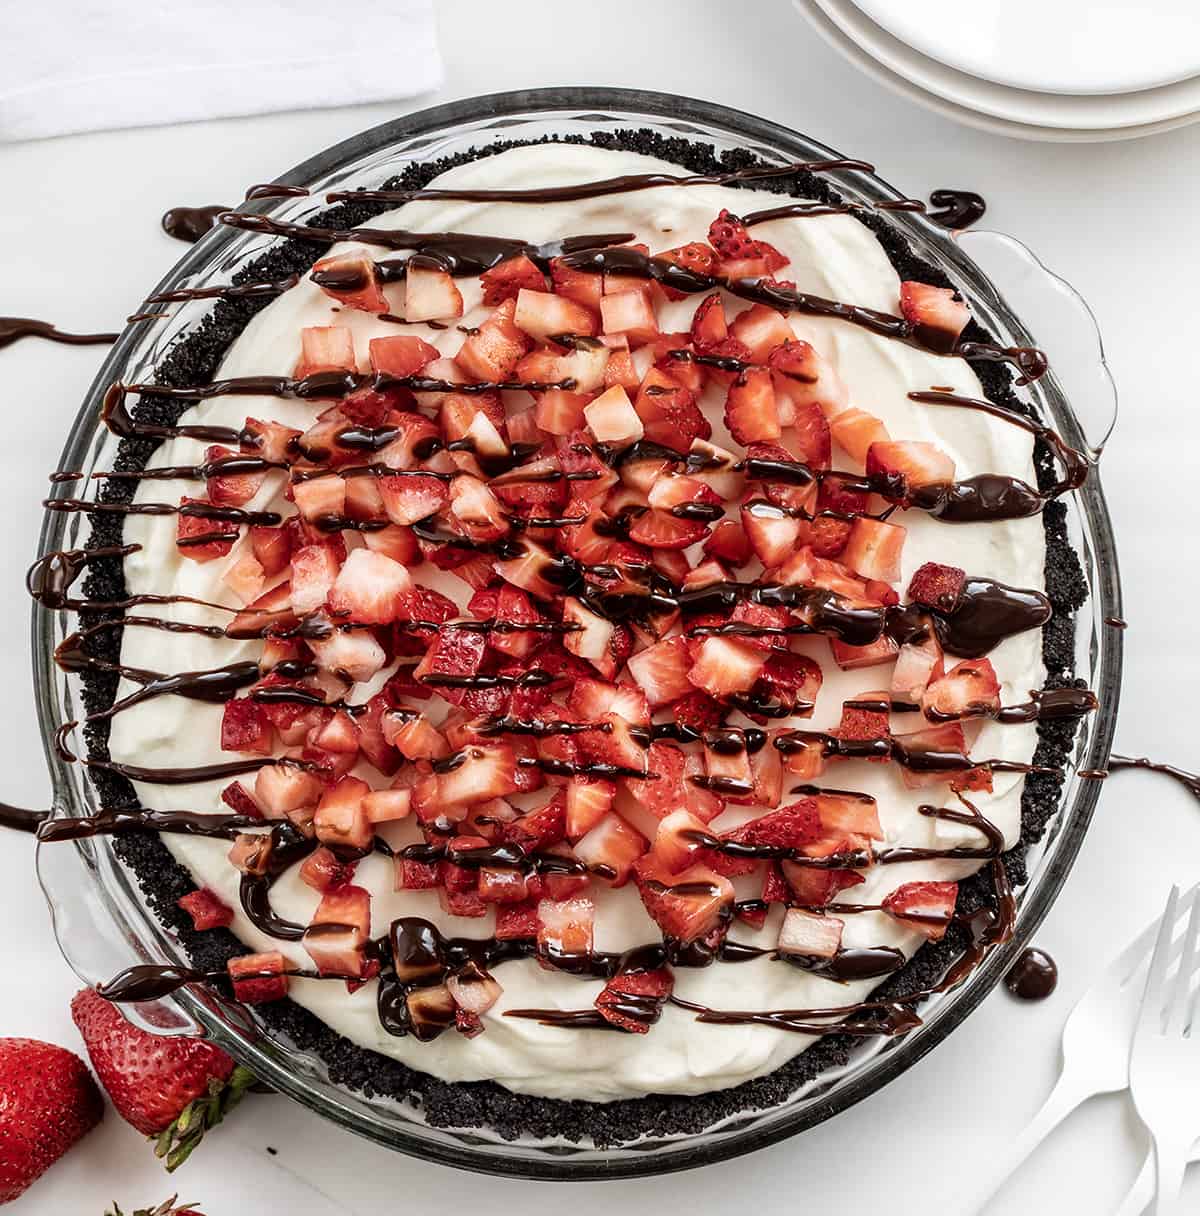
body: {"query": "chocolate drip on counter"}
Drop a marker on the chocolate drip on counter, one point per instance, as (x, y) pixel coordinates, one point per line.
(1033, 977)
(21, 820)
(13, 329)
(956, 209)
(1190, 781)
(191, 223)
(625, 184)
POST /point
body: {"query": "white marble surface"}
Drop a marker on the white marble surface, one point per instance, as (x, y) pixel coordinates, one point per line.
(79, 218)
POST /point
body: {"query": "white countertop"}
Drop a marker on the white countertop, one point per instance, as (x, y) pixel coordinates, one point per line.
(80, 223)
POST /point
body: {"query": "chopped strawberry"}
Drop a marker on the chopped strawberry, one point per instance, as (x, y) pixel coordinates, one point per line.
(938, 313)
(229, 489)
(919, 464)
(352, 279)
(325, 348)
(336, 939)
(669, 784)
(665, 530)
(815, 888)
(761, 329)
(517, 921)
(281, 788)
(506, 279)
(728, 544)
(696, 711)
(408, 498)
(272, 547)
(495, 349)
(773, 532)
(368, 588)
(788, 684)
(724, 666)
(850, 658)
(259, 978)
(544, 316)
(588, 800)
(412, 875)
(731, 239)
(207, 909)
(810, 383)
(709, 326)
(927, 907)
(790, 827)
(611, 848)
(579, 285)
(400, 355)
(314, 571)
(430, 293)
(633, 1000)
(352, 653)
(455, 653)
(937, 586)
(967, 690)
(612, 419)
(238, 799)
(809, 934)
(200, 539)
(751, 414)
(483, 772)
(932, 755)
(668, 410)
(564, 929)
(849, 813)
(856, 432)
(874, 549)
(687, 906)
(539, 828)
(245, 727)
(629, 313)
(919, 662)
(678, 843)
(696, 256)
(559, 411)
(341, 818)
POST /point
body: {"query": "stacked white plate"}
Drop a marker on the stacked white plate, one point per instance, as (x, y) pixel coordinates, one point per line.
(1066, 70)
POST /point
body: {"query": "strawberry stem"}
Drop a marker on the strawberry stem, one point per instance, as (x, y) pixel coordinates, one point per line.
(174, 1144)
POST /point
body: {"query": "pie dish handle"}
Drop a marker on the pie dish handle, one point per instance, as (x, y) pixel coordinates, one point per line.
(1066, 327)
(90, 936)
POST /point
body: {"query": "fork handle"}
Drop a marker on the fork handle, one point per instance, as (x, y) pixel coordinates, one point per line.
(1066, 1095)
(1170, 1163)
(1142, 1190)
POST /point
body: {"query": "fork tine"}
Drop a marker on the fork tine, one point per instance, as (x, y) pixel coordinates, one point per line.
(1129, 963)
(1177, 1013)
(1152, 1000)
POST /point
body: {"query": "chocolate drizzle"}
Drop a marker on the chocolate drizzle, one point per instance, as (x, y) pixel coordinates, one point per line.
(191, 223)
(1190, 781)
(1033, 977)
(13, 329)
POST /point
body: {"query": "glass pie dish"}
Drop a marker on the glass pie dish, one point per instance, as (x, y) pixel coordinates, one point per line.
(102, 922)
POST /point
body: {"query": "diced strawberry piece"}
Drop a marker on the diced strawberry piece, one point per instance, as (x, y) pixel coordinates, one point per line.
(972, 779)
(337, 733)
(314, 570)
(504, 280)
(670, 784)
(761, 329)
(368, 588)
(850, 658)
(559, 411)
(932, 755)
(353, 653)
(918, 663)
(517, 921)
(564, 928)
(874, 548)
(629, 313)
(319, 498)
(407, 498)
(788, 684)
(790, 827)
(200, 539)
(394, 541)
(430, 293)
(967, 690)
(272, 548)
(727, 765)
(709, 326)
(238, 799)
(633, 1000)
(322, 870)
(540, 828)
(415, 875)
(686, 906)
(668, 410)
(484, 772)
(678, 843)
(860, 724)
(732, 240)
(613, 844)
(502, 885)
(325, 348)
(919, 464)
(661, 671)
(939, 313)
(856, 431)
(493, 352)
(695, 256)
(696, 711)
(750, 410)
(852, 814)
(588, 800)
(245, 728)
(230, 489)
(352, 279)
(280, 788)
(341, 818)
(665, 530)
(453, 652)
(612, 419)
(462, 903)
(400, 355)
(579, 285)
(937, 586)
(724, 666)
(590, 640)
(815, 888)
(259, 978)
(336, 939)
(927, 907)
(206, 909)
(543, 316)
(270, 440)
(773, 533)
(728, 544)
(810, 935)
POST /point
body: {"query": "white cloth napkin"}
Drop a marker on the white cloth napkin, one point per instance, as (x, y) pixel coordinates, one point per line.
(89, 65)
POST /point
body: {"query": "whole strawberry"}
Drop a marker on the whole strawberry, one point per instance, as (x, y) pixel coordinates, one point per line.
(48, 1101)
(170, 1088)
(166, 1208)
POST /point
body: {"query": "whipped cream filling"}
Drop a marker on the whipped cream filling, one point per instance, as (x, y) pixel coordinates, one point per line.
(833, 256)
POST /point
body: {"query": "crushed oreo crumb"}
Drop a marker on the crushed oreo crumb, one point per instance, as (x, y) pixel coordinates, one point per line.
(193, 361)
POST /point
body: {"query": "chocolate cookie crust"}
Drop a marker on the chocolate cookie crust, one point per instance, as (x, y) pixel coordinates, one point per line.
(163, 881)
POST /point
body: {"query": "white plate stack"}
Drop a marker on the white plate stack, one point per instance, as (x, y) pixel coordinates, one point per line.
(1066, 70)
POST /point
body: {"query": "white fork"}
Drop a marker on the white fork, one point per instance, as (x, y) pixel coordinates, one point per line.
(1164, 1063)
(1095, 1057)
